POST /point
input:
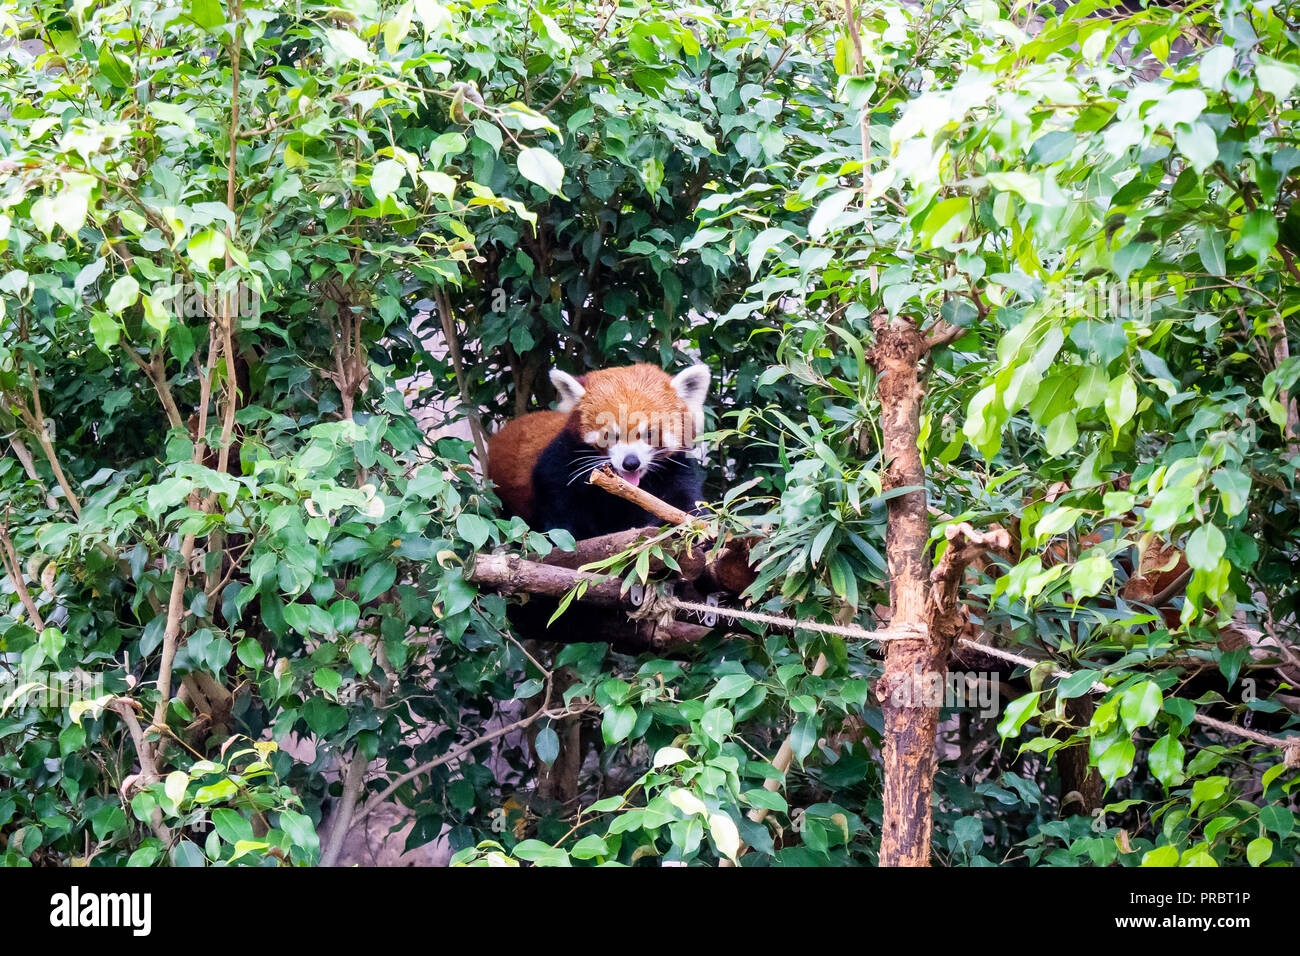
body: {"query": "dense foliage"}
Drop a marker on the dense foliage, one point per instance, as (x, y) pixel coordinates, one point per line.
(246, 245)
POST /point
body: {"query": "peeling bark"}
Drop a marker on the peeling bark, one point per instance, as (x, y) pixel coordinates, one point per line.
(918, 598)
(909, 730)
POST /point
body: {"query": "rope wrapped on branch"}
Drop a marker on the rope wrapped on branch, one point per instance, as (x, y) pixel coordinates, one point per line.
(651, 612)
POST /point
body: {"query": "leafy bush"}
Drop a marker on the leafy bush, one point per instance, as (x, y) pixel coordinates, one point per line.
(251, 251)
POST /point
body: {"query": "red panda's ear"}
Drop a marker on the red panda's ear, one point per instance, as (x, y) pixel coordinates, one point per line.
(570, 389)
(692, 385)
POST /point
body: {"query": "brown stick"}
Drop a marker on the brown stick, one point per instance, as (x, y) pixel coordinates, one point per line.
(123, 707)
(785, 753)
(220, 338)
(864, 127)
(450, 335)
(726, 569)
(602, 548)
(509, 574)
(29, 466)
(14, 568)
(228, 318)
(605, 479)
(158, 379)
(34, 419)
(342, 817)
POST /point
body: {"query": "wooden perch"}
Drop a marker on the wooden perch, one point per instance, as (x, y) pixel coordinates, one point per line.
(604, 547)
(509, 574)
(592, 623)
(546, 584)
(703, 566)
(724, 569)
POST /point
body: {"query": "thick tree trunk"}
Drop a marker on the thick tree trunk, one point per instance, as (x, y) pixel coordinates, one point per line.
(1081, 789)
(910, 724)
(910, 692)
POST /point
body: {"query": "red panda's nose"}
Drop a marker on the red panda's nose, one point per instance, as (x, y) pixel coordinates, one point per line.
(631, 463)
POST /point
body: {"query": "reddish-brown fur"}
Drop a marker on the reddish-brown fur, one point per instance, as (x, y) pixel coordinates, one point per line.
(629, 395)
(513, 451)
(636, 394)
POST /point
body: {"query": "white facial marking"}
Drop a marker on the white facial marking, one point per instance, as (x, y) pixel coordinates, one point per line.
(631, 460)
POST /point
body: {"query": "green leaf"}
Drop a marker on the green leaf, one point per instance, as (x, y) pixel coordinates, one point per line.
(1276, 77)
(539, 166)
(1211, 250)
(1062, 434)
(1166, 760)
(1208, 790)
(731, 686)
(548, 745)
(1198, 143)
(327, 680)
(725, 835)
(1140, 704)
(114, 68)
(1258, 235)
(1117, 760)
(1017, 714)
(717, 723)
(590, 847)
(378, 578)
(762, 244)
(1090, 573)
(1258, 851)
(1278, 820)
(1056, 521)
(473, 529)
(105, 329)
(946, 220)
(250, 653)
(1234, 486)
(123, 294)
(155, 315)
(206, 13)
(827, 210)
(186, 853)
(617, 723)
(1161, 856)
(541, 854)
(667, 756)
(342, 46)
(1205, 547)
(1121, 401)
(361, 659)
(386, 177)
(231, 826)
(204, 247)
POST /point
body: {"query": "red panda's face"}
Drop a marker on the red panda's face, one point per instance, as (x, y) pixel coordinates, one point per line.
(635, 415)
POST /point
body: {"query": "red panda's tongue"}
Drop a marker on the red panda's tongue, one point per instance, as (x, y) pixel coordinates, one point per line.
(631, 477)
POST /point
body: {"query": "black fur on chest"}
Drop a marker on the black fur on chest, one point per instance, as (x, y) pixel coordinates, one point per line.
(563, 498)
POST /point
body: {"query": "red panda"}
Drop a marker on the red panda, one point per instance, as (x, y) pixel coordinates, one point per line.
(636, 418)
